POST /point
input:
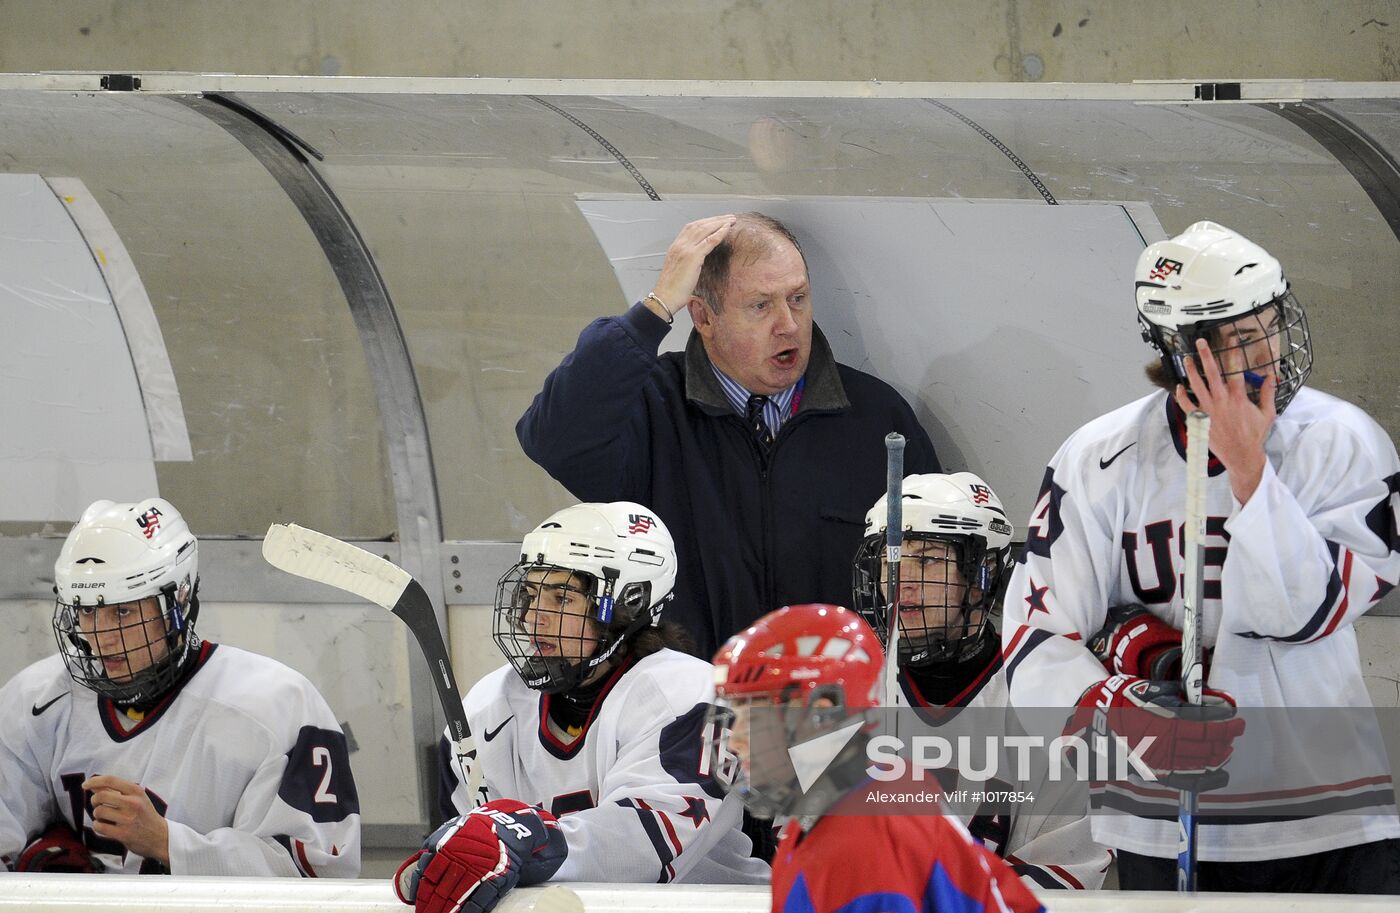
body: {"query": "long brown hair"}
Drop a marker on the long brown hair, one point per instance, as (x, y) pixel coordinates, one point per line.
(1160, 374)
(666, 635)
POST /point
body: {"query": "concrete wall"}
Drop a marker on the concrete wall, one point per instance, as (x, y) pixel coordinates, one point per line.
(939, 40)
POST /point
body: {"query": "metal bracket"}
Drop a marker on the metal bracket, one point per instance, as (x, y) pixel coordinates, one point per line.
(1218, 91)
(121, 82)
(470, 570)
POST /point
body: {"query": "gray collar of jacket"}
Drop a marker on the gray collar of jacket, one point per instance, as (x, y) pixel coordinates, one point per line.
(823, 391)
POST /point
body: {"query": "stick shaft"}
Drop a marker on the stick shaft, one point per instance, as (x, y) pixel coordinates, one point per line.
(416, 610)
(1193, 591)
(1194, 534)
(894, 538)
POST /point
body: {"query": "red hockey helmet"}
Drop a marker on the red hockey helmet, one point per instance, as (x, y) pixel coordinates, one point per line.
(798, 674)
(792, 651)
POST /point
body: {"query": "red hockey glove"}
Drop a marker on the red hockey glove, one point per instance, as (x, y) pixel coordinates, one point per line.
(58, 849)
(1133, 641)
(471, 861)
(1190, 744)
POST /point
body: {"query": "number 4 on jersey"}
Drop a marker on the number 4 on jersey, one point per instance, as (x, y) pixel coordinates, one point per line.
(1045, 524)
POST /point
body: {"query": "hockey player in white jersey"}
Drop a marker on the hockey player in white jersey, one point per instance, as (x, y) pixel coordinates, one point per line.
(953, 566)
(141, 748)
(594, 730)
(1301, 541)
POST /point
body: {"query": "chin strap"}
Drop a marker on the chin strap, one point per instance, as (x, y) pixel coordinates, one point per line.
(940, 682)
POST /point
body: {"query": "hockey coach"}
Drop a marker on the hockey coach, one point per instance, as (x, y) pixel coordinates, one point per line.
(761, 451)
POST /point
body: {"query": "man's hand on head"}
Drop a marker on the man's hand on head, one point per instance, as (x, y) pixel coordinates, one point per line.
(122, 811)
(1238, 428)
(685, 256)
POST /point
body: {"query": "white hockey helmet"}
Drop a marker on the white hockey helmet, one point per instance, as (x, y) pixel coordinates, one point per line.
(962, 511)
(620, 556)
(1209, 277)
(124, 553)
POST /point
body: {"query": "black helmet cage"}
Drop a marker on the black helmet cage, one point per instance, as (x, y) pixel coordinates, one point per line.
(622, 615)
(985, 572)
(1294, 362)
(179, 610)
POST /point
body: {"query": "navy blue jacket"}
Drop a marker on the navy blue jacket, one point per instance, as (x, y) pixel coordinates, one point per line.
(615, 422)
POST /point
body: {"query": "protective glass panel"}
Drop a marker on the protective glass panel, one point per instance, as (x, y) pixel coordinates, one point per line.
(494, 272)
(270, 372)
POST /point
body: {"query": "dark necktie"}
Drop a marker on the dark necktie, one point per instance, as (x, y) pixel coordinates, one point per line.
(757, 425)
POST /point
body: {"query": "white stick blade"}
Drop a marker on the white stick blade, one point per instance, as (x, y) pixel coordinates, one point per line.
(316, 556)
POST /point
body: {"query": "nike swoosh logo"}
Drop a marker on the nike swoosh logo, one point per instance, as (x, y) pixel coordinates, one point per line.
(1104, 464)
(492, 733)
(40, 708)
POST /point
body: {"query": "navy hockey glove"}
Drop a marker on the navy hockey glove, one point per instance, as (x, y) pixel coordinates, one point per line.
(470, 862)
(1190, 745)
(1133, 641)
(58, 849)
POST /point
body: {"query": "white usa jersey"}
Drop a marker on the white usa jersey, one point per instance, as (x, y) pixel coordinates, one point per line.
(1054, 849)
(243, 758)
(1286, 575)
(633, 793)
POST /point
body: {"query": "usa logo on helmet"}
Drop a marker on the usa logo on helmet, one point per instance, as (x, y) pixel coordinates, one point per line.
(1164, 268)
(639, 523)
(149, 522)
(981, 494)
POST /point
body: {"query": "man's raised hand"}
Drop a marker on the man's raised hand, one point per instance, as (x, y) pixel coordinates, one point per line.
(681, 269)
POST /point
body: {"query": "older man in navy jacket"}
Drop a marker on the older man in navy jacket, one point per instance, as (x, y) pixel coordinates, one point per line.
(759, 451)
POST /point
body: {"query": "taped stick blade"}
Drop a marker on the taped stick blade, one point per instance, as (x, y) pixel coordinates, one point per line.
(316, 556)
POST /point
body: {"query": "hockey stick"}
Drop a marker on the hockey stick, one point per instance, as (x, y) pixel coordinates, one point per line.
(316, 556)
(894, 537)
(1193, 588)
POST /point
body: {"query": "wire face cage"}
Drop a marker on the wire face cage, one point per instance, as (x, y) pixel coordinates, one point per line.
(947, 586)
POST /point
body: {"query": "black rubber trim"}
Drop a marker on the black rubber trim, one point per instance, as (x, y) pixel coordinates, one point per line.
(413, 479)
(612, 150)
(386, 350)
(1005, 150)
(267, 123)
(1373, 167)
